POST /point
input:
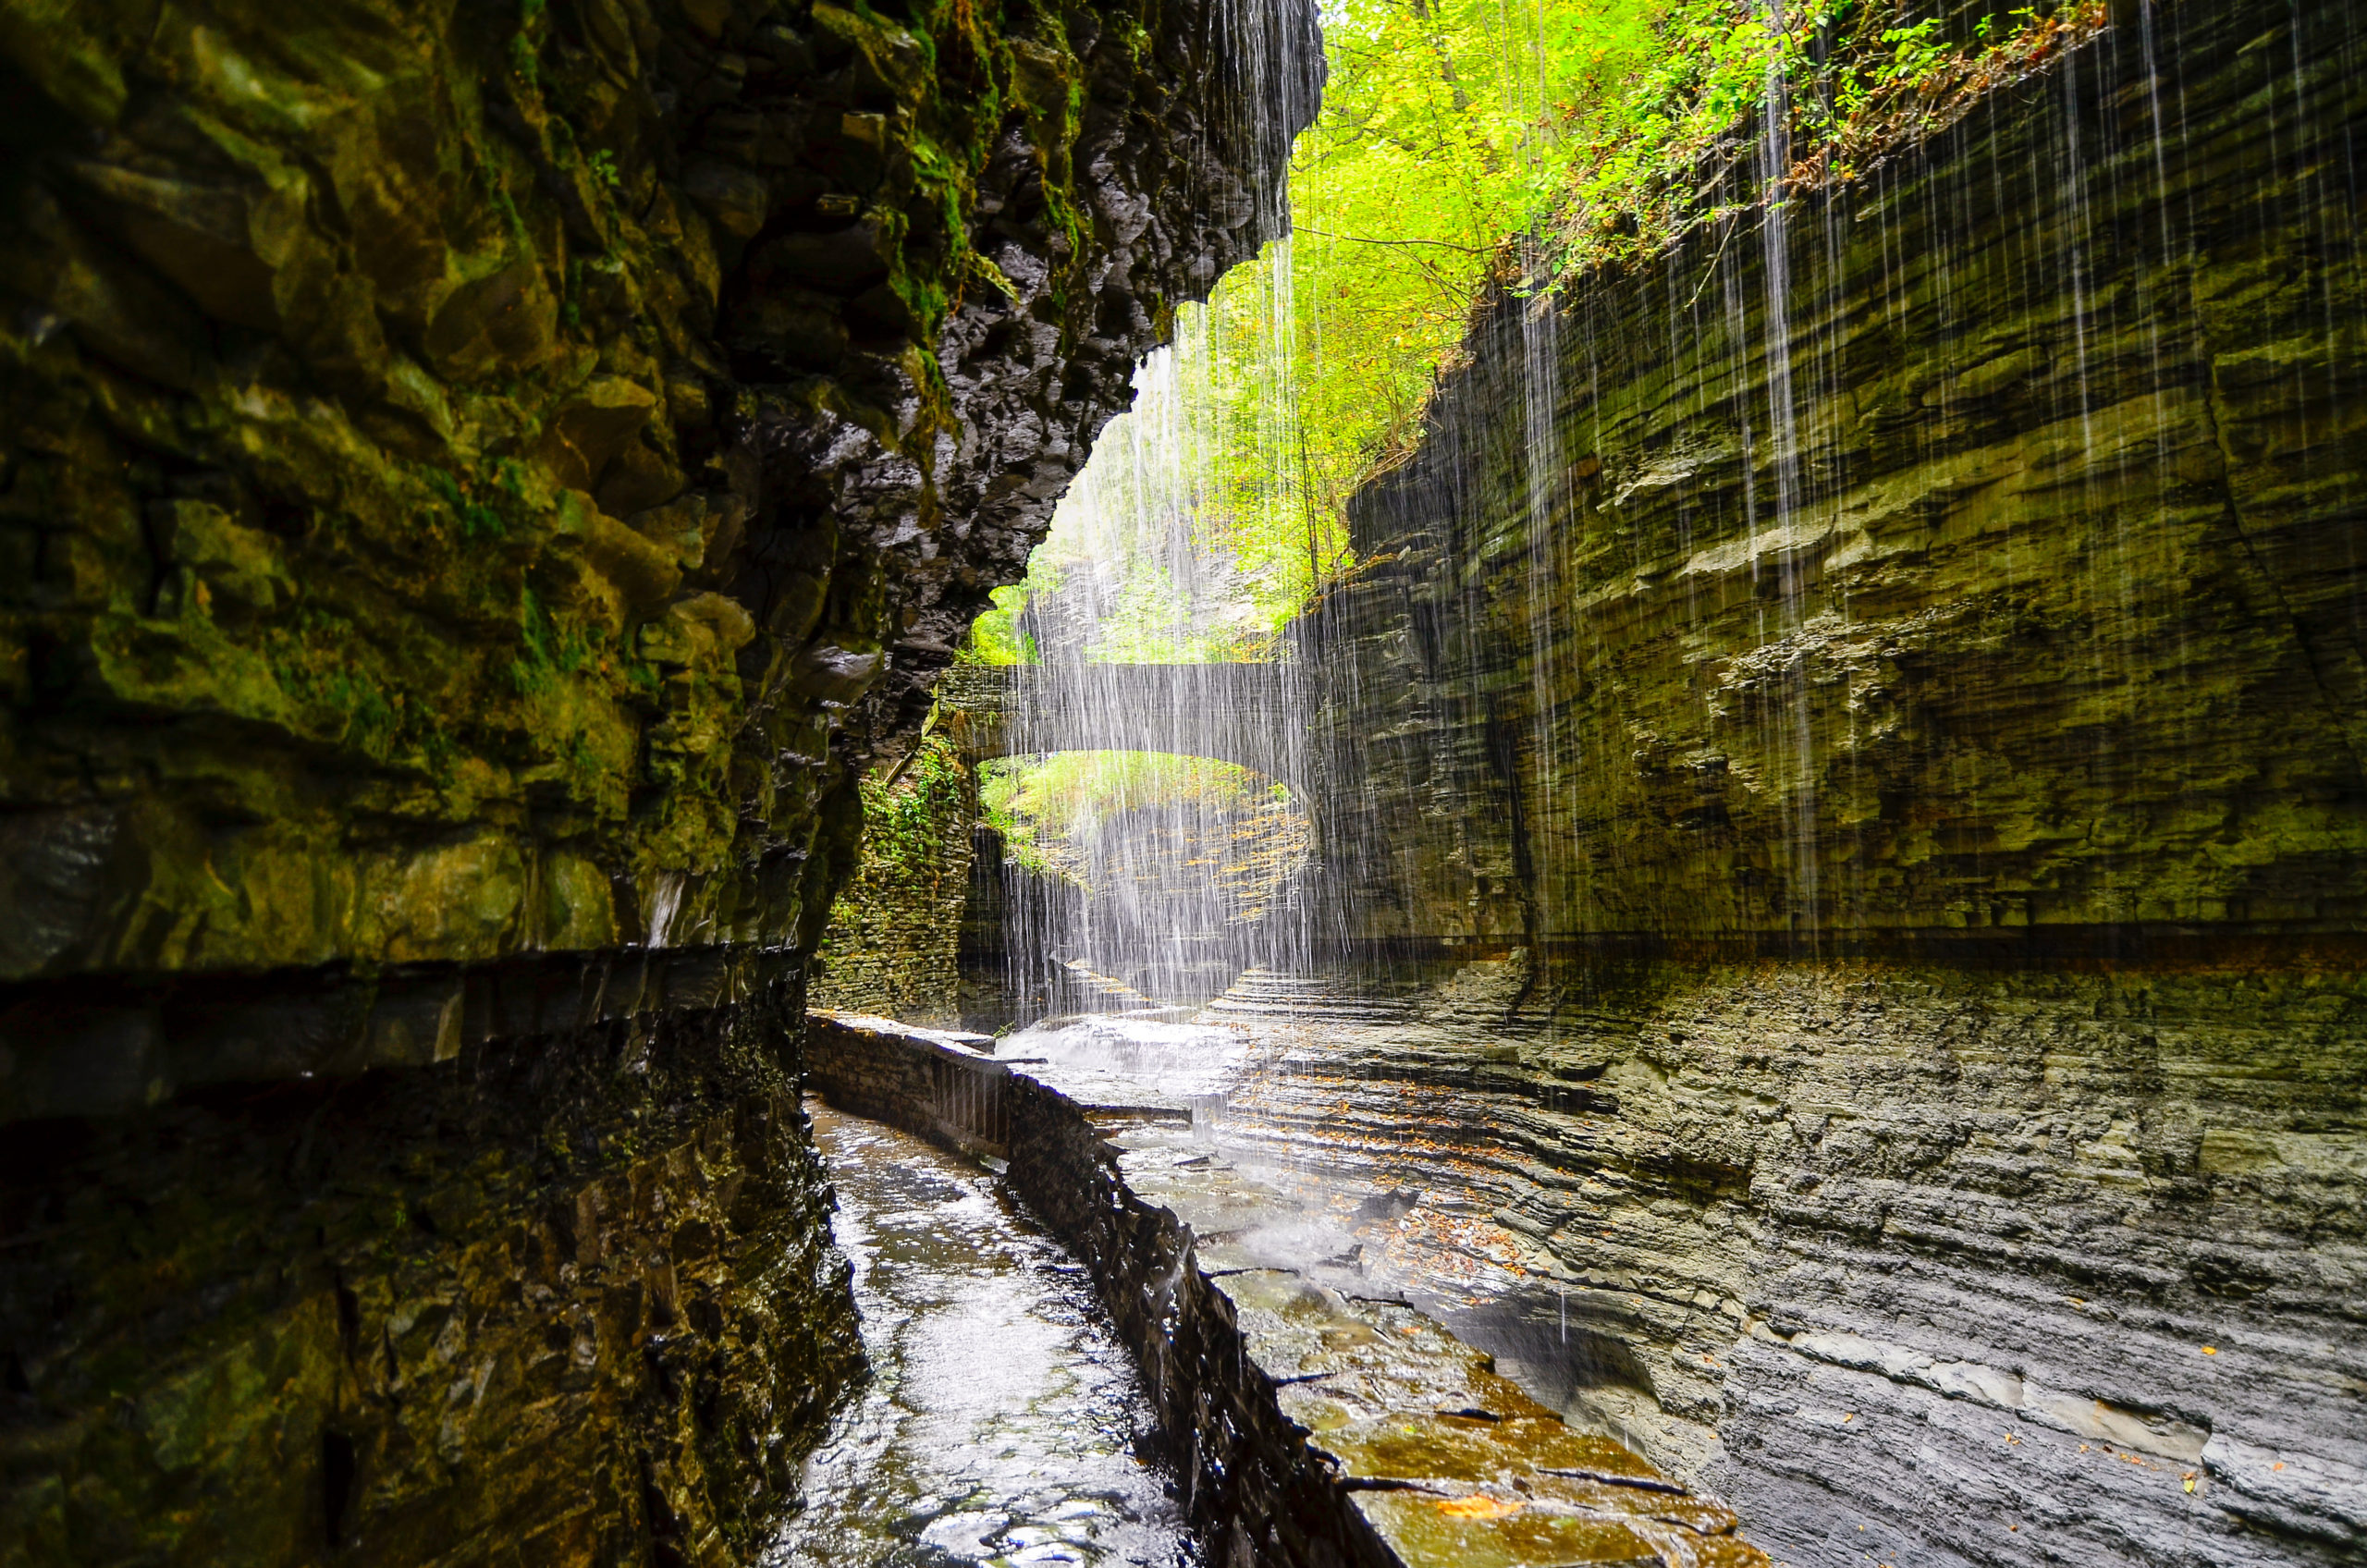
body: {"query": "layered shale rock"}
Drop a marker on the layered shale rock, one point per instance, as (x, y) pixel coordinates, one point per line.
(1907, 1257)
(1881, 690)
(477, 481)
(1319, 1424)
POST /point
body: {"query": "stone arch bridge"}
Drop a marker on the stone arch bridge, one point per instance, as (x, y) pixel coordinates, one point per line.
(1246, 713)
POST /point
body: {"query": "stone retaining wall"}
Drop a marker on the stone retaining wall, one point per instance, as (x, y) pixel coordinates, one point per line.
(894, 940)
(943, 1085)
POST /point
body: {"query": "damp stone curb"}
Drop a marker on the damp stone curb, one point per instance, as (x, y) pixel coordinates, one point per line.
(1313, 1428)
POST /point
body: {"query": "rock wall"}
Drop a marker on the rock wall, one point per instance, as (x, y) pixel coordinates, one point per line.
(1879, 691)
(1972, 548)
(476, 486)
(465, 478)
(1917, 1260)
(570, 1299)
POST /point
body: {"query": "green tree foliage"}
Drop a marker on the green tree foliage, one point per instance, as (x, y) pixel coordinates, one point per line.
(1837, 83)
(905, 822)
(1213, 510)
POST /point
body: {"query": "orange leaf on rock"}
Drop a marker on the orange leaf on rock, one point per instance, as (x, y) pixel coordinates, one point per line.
(1478, 1507)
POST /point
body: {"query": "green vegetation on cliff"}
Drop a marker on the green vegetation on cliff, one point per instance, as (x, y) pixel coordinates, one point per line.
(1463, 147)
(890, 947)
(1461, 144)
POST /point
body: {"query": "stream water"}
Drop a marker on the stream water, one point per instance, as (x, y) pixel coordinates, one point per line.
(1003, 1424)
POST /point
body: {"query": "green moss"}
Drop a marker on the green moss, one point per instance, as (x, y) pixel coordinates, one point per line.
(549, 648)
(496, 191)
(477, 518)
(324, 664)
(904, 825)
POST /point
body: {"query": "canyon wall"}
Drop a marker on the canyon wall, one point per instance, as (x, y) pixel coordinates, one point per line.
(477, 484)
(1848, 785)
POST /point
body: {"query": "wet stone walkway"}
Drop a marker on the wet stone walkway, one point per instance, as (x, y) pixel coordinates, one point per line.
(1003, 1424)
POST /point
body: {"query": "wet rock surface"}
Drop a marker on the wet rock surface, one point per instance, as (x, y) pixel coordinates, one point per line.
(1966, 1268)
(1445, 1461)
(1963, 559)
(464, 471)
(1848, 822)
(1320, 1424)
(1003, 1423)
(564, 1299)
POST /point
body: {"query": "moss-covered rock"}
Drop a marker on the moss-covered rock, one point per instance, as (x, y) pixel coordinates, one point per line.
(1877, 692)
(539, 428)
(1972, 551)
(893, 946)
(566, 1298)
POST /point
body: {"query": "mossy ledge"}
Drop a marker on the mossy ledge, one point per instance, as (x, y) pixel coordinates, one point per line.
(477, 483)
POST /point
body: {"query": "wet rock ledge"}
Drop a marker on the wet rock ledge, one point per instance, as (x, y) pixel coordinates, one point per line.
(1314, 1426)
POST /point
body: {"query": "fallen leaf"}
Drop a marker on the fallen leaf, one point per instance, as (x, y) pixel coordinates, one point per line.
(1478, 1507)
(2210, 1350)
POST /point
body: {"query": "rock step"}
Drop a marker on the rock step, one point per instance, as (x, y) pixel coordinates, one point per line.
(1276, 993)
(1093, 991)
